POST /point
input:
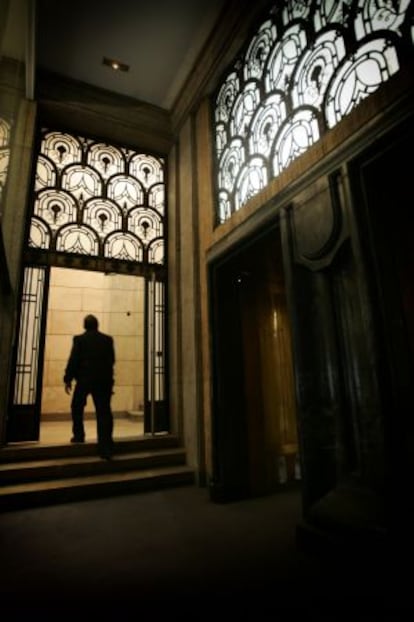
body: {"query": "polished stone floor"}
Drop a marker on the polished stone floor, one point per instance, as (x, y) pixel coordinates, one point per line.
(58, 432)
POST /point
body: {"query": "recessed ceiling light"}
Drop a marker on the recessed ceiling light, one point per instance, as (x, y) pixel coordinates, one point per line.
(115, 64)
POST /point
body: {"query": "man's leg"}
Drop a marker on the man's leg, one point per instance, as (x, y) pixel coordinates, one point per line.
(104, 421)
(78, 404)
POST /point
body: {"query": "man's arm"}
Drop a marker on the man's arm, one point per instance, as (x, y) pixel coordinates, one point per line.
(72, 366)
(113, 361)
(112, 351)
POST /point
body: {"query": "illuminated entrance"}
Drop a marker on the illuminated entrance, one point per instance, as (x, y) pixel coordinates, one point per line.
(98, 208)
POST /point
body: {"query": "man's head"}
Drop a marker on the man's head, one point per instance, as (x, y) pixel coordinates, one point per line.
(90, 323)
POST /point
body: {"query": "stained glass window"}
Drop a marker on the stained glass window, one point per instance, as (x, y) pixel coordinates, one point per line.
(99, 200)
(307, 66)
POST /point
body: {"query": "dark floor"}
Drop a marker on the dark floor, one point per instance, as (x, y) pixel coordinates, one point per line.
(175, 553)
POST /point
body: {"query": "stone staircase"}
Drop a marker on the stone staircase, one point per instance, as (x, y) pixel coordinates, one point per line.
(33, 475)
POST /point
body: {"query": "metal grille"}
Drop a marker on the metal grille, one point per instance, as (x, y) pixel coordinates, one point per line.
(156, 355)
(25, 387)
(307, 66)
(5, 141)
(98, 200)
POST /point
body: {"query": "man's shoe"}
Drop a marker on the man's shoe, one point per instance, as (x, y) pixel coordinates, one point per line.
(77, 440)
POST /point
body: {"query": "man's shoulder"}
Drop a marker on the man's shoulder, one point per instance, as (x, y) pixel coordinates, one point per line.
(91, 337)
(105, 336)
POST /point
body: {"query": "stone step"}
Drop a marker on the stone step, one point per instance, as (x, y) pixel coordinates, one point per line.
(65, 490)
(17, 452)
(33, 474)
(72, 466)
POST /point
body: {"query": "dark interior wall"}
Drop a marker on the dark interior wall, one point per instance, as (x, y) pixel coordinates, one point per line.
(348, 343)
(320, 277)
(348, 254)
(66, 104)
(383, 192)
(348, 273)
(340, 417)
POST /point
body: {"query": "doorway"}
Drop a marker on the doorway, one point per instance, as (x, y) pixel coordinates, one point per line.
(118, 302)
(54, 303)
(99, 208)
(254, 411)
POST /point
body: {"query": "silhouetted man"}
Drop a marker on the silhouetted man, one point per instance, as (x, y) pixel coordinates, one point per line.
(91, 364)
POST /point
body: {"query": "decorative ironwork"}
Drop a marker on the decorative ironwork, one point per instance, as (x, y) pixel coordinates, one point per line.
(155, 385)
(98, 200)
(307, 66)
(5, 131)
(25, 384)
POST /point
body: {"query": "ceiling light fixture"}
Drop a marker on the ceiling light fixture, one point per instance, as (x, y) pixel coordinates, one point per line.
(115, 64)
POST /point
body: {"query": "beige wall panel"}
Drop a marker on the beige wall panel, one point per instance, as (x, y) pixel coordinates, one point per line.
(53, 373)
(65, 322)
(127, 373)
(105, 297)
(124, 325)
(93, 301)
(122, 399)
(55, 400)
(58, 347)
(65, 298)
(46, 373)
(123, 300)
(127, 349)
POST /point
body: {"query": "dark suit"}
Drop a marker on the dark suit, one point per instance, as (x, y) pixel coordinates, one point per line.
(91, 364)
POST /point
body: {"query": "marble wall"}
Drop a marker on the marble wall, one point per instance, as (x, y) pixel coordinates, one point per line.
(118, 303)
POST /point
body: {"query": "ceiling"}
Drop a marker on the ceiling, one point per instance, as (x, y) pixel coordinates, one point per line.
(159, 40)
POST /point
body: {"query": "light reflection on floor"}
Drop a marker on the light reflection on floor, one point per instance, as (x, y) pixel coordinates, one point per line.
(60, 432)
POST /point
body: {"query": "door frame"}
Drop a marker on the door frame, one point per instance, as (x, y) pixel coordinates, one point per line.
(234, 450)
(23, 423)
(24, 419)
